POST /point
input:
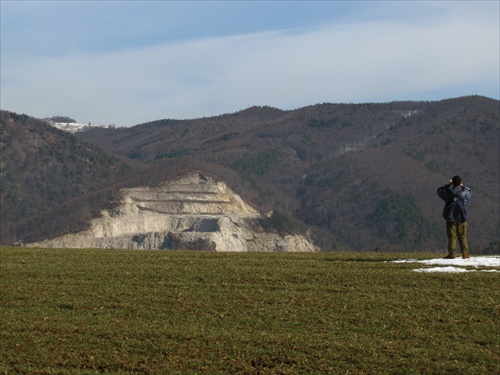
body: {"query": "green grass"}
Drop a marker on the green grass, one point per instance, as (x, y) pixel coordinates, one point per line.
(168, 312)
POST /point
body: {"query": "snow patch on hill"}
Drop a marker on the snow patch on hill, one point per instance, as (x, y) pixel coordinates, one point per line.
(75, 127)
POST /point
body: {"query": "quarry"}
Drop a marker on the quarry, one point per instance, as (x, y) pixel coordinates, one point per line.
(194, 212)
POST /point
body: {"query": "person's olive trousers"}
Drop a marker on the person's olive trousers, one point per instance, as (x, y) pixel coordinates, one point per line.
(454, 231)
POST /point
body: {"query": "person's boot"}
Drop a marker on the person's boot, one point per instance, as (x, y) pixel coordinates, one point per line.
(450, 256)
(465, 255)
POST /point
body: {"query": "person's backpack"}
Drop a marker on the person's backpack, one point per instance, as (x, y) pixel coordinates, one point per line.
(455, 199)
(455, 211)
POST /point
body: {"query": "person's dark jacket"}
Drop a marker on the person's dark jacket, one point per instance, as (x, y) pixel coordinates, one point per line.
(455, 198)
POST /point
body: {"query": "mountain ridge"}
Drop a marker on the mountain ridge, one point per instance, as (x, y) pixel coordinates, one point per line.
(363, 176)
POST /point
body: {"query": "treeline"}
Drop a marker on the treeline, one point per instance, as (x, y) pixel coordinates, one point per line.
(63, 119)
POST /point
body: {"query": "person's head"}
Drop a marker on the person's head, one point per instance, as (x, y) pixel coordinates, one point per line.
(456, 180)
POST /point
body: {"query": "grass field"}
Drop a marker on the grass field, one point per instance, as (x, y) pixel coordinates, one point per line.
(168, 312)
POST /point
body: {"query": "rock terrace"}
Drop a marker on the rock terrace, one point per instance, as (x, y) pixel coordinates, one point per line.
(192, 213)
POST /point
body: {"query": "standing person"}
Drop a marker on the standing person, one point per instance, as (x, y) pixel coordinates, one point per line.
(455, 195)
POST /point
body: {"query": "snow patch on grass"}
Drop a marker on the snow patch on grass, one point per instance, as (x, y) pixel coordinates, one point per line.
(457, 265)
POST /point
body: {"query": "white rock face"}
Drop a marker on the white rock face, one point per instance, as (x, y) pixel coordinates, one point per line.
(192, 213)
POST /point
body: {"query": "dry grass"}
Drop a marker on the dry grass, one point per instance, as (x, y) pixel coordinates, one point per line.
(152, 312)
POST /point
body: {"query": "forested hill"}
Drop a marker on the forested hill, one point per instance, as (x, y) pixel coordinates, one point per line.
(362, 176)
(41, 168)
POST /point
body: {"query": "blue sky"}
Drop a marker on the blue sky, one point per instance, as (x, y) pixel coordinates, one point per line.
(129, 62)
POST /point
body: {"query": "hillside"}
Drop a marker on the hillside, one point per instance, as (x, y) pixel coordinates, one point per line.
(363, 176)
(366, 173)
(42, 167)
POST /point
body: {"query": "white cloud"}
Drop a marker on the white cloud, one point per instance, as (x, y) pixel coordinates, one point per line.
(379, 60)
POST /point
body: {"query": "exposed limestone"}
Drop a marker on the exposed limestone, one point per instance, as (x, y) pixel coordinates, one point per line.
(192, 213)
